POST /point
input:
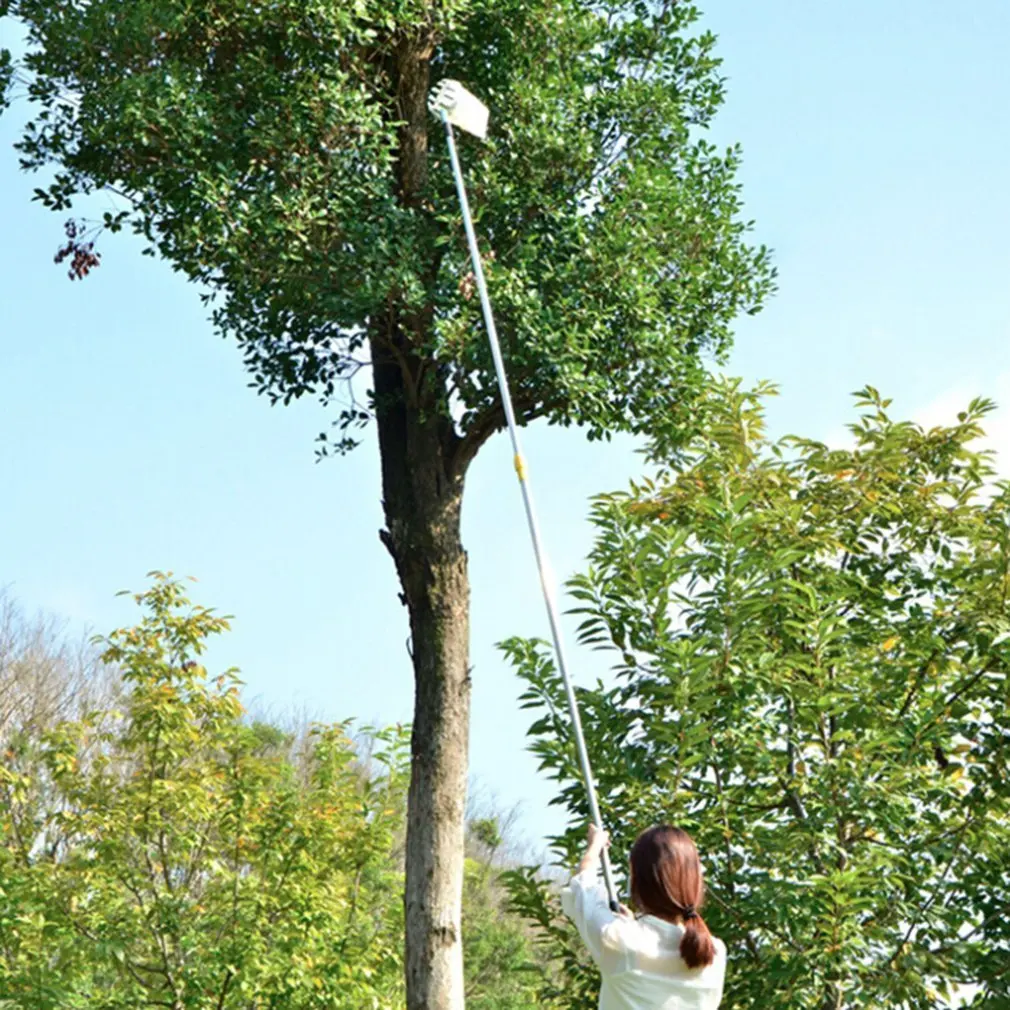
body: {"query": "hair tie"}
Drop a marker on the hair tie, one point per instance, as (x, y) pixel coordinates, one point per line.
(689, 913)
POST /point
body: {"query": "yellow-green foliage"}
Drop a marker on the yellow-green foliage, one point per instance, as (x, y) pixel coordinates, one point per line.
(182, 858)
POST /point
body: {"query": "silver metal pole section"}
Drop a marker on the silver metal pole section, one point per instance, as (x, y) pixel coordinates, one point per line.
(520, 464)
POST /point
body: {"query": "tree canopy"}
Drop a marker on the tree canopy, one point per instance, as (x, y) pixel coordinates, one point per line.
(278, 154)
(812, 648)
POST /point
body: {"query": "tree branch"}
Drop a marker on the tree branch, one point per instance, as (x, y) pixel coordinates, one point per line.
(926, 905)
(228, 976)
(916, 684)
(492, 420)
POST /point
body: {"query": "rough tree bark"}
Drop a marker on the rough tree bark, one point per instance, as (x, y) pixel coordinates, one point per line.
(422, 501)
(423, 469)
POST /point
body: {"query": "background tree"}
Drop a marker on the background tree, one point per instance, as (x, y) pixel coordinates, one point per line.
(278, 154)
(46, 677)
(812, 648)
(186, 863)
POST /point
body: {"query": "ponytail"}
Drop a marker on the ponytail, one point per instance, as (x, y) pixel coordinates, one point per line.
(696, 946)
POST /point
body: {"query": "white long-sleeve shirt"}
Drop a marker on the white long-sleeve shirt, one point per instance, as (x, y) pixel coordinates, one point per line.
(639, 959)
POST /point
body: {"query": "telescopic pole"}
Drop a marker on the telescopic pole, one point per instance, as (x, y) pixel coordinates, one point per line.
(546, 583)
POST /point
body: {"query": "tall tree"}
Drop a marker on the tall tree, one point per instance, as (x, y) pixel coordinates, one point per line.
(812, 662)
(279, 154)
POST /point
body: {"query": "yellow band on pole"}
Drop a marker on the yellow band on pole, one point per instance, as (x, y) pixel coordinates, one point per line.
(520, 465)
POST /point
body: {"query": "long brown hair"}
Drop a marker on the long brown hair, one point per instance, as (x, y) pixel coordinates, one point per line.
(666, 882)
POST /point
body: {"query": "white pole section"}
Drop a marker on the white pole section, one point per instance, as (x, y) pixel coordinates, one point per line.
(546, 583)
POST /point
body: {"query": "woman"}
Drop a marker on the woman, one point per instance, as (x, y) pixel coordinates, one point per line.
(665, 958)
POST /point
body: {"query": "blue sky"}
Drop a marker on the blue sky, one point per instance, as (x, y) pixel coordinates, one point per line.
(876, 140)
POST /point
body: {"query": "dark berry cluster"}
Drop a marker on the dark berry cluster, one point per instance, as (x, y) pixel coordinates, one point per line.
(83, 258)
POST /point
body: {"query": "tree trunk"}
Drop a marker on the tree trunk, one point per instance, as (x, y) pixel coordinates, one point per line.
(422, 499)
(424, 463)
